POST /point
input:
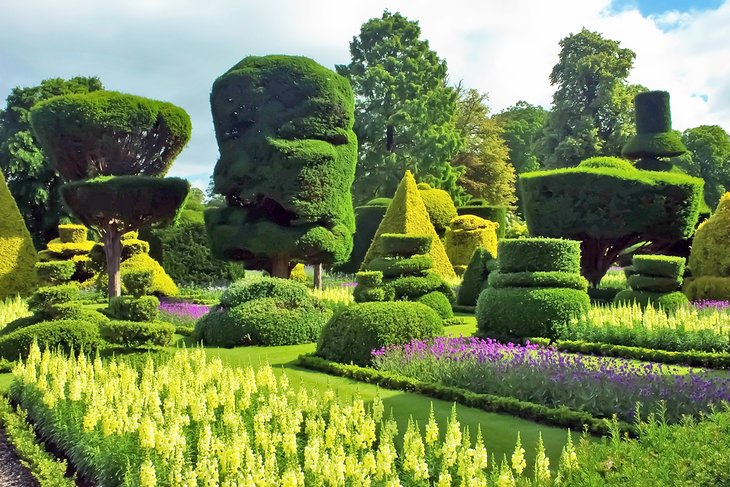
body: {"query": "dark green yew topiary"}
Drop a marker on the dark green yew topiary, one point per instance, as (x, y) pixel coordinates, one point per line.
(539, 255)
(439, 303)
(66, 335)
(287, 162)
(655, 281)
(571, 280)
(654, 137)
(475, 277)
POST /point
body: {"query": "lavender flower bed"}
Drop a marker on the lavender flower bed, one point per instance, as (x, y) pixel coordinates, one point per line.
(707, 304)
(182, 313)
(600, 386)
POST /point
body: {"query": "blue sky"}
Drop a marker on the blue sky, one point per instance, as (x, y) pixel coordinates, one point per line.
(172, 50)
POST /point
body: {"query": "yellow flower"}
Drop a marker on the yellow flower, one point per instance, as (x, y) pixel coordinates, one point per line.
(518, 457)
(147, 475)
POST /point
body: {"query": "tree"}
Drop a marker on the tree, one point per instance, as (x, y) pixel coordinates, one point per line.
(115, 149)
(404, 109)
(286, 166)
(31, 178)
(708, 158)
(522, 126)
(484, 155)
(17, 254)
(592, 109)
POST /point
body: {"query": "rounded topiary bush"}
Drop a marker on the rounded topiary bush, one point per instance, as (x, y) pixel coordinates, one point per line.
(353, 334)
(518, 313)
(539, 255)
(65, 334)
(439, 303)
(465, 234)
(439, 205)
(709, 259)
(669, 302)
(137, 334)
(269, 311)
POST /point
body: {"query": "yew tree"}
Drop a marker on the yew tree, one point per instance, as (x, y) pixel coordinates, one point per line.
(114, 149)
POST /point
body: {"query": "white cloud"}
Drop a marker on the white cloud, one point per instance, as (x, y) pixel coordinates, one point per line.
(174, 49)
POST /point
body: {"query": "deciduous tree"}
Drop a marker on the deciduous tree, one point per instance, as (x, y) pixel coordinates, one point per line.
(708, 158)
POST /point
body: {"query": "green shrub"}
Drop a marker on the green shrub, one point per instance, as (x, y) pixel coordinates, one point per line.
(669, 302)
(405, 245)
(144, 308)
(138, 283)
(137, 334)
(65, 334)
(70, 233)
(162, 284)
(367, 220)
(709, 259)
(352, 335)
(539, 255)
(21, 323)
(439, 303)
(466, 234)
(62, 250)
(365, 294)
(659, 266)
(475, 277)
(76, 312)
(510, 313)
(369, 278)
(134, 246)
(439, 205)
(45, 297)
(417, 265)
(569, 280)
(412, 288)
(268, 287)
(707, 287)
(496, 214)
(607, 163)
(298, 274)
(55, 272)
(641, 282)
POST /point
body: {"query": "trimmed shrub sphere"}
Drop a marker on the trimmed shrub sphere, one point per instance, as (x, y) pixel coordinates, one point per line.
(352, 335)
(539, 255)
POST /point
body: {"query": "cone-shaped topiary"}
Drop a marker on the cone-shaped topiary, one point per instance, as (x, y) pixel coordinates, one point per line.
(709, 259)
(17, 254)
(464, 235)
(439, 205)
(407, 215)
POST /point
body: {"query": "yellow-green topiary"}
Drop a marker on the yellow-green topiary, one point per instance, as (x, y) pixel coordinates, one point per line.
(17, 254)
(465, 234)
(66, 250)
(439, 205)
(162, 284)
(299, 274)
(70, 233)
(407, 215)
(709, 259)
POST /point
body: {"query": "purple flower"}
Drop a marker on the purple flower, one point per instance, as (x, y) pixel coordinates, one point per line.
(183, 309)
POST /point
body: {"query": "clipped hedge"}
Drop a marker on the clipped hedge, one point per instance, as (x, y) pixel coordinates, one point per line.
(539, 255)
(569, 280)
(641, 282)
(369, 278)
(128, 308)
(46, 297)
(405, 245)
(55, 272)
(71, 233)
(65, 334)
(354, 333)
(269, 287)
(467, 233)
(137, 334)
(76, 312)
(413, 287)
(394, 266)
(367, 220)
(496, 214)
(659, 266)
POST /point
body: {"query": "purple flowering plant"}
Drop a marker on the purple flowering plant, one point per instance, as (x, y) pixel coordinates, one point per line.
(599, 385)
(182, 313)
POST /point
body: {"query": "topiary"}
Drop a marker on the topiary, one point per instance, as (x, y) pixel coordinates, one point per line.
(45, 298)
(709, 258)
(132, 334)
(162, 284)
(127, 308)
(608, 163)
(439, 303)
(55, 272)
(367, 220)
(298, 274)
(475, 277)
(668, 301)
(439, 205)
(539, 255)
(17, 254)
(655, 281)
(65, 334)
(352, 335)
(496, 214)
(465, 234)
(570, 280)
(267, 287)
(71, 233)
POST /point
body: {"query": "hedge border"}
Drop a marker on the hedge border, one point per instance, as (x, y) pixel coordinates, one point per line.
(564, 417)
(717, 360)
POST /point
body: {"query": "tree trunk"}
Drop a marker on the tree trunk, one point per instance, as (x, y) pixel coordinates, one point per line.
(280, 266)
(389, 138)
(113, 254)
(317, 276)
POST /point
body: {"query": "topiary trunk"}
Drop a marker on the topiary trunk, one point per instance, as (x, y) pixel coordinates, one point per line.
(113, 253)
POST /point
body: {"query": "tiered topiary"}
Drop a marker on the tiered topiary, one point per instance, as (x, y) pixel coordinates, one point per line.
(465, 234)
(655, 141)
(66, 258)
(439, 205)
(474, 281)
(655, 281)
(268, 311)
(538, 286)
(480, 208)
(407, 215)
(404, 272)
(17, 254)
(709, 259)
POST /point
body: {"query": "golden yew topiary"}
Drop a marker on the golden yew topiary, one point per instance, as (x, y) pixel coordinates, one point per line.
(709, 259)
(464, 234)
(17, 254)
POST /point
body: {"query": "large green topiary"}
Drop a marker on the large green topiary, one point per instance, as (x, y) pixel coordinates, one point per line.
(465, 234)
(407, 215)
(353, 334)
(709, 259)
(474, 281)
(439, 205)
(66, 335)
(17, 254)
(367, 221)
(287, 162)
(609, 208)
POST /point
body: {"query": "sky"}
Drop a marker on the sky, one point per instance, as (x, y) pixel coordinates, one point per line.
(173, 50)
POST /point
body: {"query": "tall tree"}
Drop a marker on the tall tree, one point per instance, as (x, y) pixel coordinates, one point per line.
(404, 109)
(523, 124)
(484, 155)
(708, 158)
(592, 111)
(32, 180)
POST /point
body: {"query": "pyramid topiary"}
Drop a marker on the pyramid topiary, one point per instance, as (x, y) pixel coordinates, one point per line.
(709, 260)
(17, 254)
(407, 215)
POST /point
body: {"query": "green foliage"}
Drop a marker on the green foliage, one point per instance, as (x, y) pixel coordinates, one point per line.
(70, 233)
(407, 215)
(143, 308)
(367, 220)
(162, 284)
(46, 297)
(610, 209)
(483, 159)
(65, 334)
(520, 312)
(413, 287)
(32, 179)
(402, 99)
(539, 255)
(467, 233)
(482, 262)
(707, 157)
(603, 162)
(654, 138)
(75, 311)
(365, 294)
(641, 282)
(66, 250)
(398, 244)
(288, 153)
(592, 111)
(55, 271)
(17, 254)
(417, 265)
(668, 301)
(267, 287)
(133, 334)
(659, 265)
(354, 333)
(569, 280)
(439, 205)
(81, 134)
(439, 303)
(138, 282)
(522, 126)
(707, 287)
(709, 259)
(496, 214)
(298, 274)
(369, 278)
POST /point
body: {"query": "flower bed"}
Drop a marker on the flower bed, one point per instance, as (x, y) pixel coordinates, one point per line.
(600, 386)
